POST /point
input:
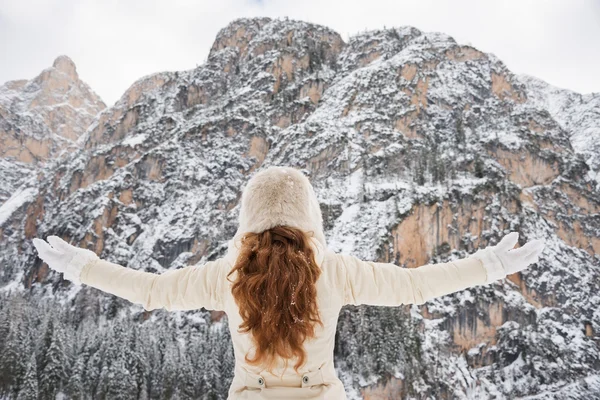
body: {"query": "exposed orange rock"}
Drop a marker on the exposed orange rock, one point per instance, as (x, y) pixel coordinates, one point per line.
(585, 201)
(320, 161)
(531, 295)
(369, 53)
(572, 233)
(535, 127)
(369, 58)
(503, 89)
(258, 149)
(409, 71)
(419, 97)
(97, 170)
(196, 95)
(25, 148)
(547, 144)
(418, 93)
(283, 121)
(141, 87)
(312, 89)
(153, 167)
(405, 125)
(393, 388)
(525, 168)
(283, 65)
(527, 199)
(464, 53)
(126, 196)
(17, 84)
(126, 124)
(350, 104)
(469, 334)
(589, 329)
(239, 39)
(430, 65)
(34, 213)
(427, 227)
(96, 236)
(101, 167)
(235, 127)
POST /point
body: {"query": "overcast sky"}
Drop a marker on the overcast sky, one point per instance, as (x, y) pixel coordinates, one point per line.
(115, 42)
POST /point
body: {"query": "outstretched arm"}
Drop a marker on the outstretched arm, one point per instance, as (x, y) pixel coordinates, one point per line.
(187, 288)
(386, 284)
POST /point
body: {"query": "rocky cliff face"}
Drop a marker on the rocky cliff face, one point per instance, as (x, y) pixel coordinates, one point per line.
(41, 119)
(420, 149)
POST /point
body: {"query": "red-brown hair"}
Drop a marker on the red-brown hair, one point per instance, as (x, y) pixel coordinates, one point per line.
(276, 293)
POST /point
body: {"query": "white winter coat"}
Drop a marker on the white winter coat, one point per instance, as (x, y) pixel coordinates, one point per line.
(284, 195)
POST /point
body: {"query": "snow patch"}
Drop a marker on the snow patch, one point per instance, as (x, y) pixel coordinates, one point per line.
(15, 202)
(134, 140)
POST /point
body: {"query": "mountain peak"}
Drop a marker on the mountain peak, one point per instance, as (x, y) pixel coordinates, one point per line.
(45, 115)
(64, 64)
(261, 34)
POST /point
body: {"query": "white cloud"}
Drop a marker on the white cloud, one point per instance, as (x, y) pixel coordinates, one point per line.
(113, 43)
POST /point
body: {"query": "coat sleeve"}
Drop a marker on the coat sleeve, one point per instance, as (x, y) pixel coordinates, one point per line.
(186, 288)
(386, 284)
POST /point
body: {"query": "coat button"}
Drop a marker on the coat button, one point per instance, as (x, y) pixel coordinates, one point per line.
(305, 379)
(260, 381)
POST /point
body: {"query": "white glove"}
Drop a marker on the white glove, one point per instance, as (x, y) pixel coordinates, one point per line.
(502, 259)
(62, 257)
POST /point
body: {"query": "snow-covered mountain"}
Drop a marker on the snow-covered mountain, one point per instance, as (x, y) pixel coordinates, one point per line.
(420, 150)
(41, 119)
(578, 114)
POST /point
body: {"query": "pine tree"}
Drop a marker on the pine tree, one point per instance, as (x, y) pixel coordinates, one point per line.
(479, 167)
(228, 358)
(54, 375)
(199, 359)
(93, 370)
(212, 374)
(4, 325)
(382, 344)
(120, 383)
(368, 342)
(140, 367)
(351, 336)
(169, 373)
(13, 366)
(397, 337)
(29, 388)
(45, 343)
(460, 132)
(75, 387)
(116, 380)
(186, 385)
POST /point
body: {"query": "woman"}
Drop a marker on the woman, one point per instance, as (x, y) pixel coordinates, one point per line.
(282, 289)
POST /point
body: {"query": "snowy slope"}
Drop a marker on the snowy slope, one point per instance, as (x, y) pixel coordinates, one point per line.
(578, 114)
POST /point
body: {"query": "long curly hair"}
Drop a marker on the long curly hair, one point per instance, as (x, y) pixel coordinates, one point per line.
(276, 293)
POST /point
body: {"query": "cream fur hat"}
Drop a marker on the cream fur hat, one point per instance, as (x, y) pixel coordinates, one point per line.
(279, 195)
